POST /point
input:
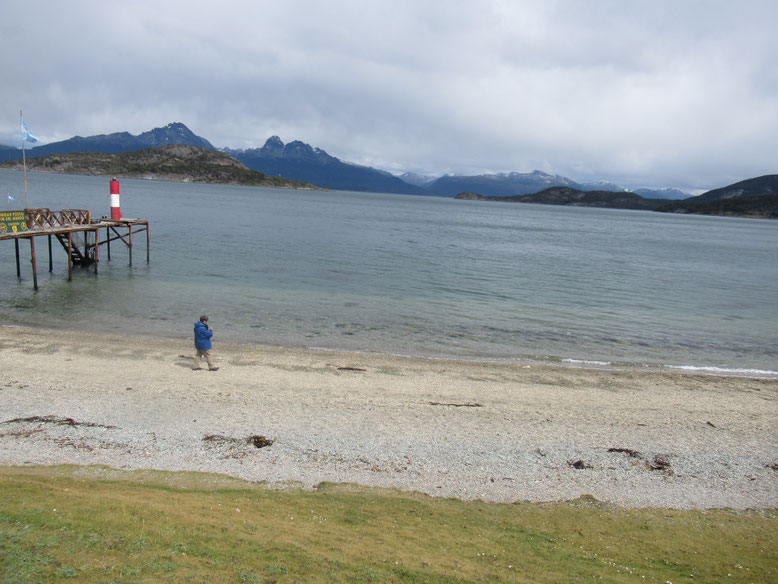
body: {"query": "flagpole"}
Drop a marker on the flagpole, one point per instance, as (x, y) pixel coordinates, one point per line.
(24, 161)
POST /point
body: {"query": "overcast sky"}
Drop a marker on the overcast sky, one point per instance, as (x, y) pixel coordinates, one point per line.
(660, 93)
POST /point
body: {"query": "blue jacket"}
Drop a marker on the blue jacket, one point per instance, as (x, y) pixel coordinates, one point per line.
(202, 337)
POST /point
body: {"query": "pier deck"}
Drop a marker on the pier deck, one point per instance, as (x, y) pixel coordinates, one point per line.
(75, 230)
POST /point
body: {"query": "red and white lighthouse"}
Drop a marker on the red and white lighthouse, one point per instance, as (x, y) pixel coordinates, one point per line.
(116, 212)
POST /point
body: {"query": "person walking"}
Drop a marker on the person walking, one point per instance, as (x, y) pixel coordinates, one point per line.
(202, 341)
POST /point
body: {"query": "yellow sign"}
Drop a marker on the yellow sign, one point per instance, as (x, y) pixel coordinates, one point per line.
(12, 221)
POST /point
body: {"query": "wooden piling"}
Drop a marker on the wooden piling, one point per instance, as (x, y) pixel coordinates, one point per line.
(70, 256)
(18, 265)
(97, 247)
(34, 265)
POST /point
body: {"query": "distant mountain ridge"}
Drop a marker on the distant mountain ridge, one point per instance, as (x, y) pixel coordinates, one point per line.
(753, 197)
(524, 183)
(276, 162)
(175, 133)
(573, 197)
(667, 193)
(300, 161)
(761, 185)
(756, 197)
(414, 178)
(500, 185)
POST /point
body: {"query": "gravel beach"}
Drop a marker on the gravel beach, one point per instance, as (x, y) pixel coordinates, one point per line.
(495, 431)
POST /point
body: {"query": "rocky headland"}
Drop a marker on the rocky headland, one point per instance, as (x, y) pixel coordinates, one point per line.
(174, 162)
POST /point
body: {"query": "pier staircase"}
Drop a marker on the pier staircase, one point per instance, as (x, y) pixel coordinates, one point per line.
(80, 255)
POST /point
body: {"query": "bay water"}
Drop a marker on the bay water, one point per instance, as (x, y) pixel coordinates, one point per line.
(410, 275)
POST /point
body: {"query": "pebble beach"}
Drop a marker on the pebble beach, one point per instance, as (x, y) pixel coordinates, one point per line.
(499, 432)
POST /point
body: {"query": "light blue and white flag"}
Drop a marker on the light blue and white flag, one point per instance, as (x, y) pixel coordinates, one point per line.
(26, 134)
(11, 199)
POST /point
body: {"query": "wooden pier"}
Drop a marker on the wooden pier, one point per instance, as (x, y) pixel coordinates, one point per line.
(75, 230)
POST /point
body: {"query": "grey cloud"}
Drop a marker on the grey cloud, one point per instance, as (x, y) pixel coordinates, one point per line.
(661, 93)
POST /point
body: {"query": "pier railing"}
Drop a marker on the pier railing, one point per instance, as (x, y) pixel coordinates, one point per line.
(45, 218)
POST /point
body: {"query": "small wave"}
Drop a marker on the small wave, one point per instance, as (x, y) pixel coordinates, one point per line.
(724, 370)
(587, 362)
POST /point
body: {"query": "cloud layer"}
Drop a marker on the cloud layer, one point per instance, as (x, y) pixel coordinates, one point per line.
(645, 94)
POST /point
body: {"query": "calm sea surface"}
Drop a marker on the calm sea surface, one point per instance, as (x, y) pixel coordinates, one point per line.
(411, 275)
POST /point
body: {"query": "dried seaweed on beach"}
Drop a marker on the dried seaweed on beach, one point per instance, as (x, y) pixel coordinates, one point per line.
(660, 462)
(579, 464)
(255, 440)
(260, 441)
(21, 433)
(628, 451)
(57, 421)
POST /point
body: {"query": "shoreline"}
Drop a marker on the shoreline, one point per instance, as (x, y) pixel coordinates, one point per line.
(524, 360)
(497, 431)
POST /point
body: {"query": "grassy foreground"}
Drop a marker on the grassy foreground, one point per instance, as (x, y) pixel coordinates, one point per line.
(75, 524)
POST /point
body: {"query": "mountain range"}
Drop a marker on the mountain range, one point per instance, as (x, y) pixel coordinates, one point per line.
(299, 161)
(175, 153)
(175, 133)
(524, 183)
(302, 162)
(755, 197)
(573, 197)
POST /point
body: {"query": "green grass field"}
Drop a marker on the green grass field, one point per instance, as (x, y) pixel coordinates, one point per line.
(74, 524)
